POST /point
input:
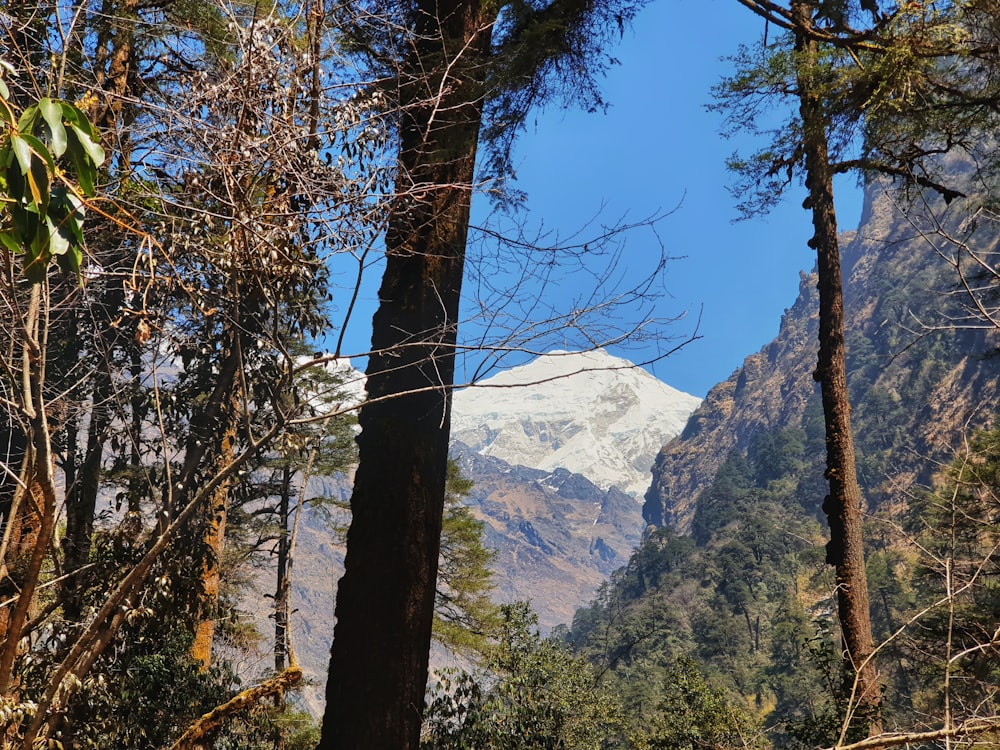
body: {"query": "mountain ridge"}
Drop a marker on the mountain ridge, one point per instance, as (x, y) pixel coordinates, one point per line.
(901, 351)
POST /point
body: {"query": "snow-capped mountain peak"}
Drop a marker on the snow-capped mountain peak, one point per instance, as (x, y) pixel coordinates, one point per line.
(588, 412)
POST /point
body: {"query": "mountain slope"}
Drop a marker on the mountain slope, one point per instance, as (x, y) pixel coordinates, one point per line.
(731, 579)
(557, 535)
(918, 384)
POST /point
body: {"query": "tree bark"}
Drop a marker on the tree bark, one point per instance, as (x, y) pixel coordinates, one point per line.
(283, 582)
(217, 430)
(843, 506)
(39, 495)
(214, 539)
(385, 601)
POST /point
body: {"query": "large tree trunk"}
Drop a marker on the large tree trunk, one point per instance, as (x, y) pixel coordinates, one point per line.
(211, 446)
(843, 505)
(378, 666)
(283, 583)
(37, 497)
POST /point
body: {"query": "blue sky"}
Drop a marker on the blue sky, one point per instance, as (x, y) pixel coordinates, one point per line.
(656, 149)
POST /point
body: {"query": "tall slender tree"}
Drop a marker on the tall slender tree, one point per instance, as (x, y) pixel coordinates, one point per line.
(824, 88)
(879, 89)
(843, 506)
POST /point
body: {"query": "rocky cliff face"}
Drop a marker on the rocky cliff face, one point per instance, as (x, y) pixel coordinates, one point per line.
(557, 535)
(918, 383)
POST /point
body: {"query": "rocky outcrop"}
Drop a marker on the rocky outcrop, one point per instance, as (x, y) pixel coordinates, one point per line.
(557, 535)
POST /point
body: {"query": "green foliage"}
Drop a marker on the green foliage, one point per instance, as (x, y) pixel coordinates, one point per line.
(44, 212)
(533, 694)
(465, 617)
(730, 491)
(815, 714)
(953, 647)
(726, 615)
(691, 714)
(144, 696)
(747, 605)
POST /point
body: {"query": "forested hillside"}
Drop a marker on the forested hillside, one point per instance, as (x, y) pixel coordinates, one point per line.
(730, 584)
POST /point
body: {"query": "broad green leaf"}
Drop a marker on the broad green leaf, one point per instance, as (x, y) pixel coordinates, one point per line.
(58, 244)
(39, 182)
(10, 241)
(67, 212)
(5, 93)
(15, 181)
(40, 150)
(22, 152)
(92, 147)
(85, 171)
(52, 114)
(74, 116)
(29, 117)
(26, 220)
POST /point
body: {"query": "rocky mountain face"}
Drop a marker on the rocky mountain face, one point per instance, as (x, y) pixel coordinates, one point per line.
(560, 450)
(922, 372)
(557, 535)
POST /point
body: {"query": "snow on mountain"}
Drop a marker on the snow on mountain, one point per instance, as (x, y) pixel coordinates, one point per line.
(588, 412)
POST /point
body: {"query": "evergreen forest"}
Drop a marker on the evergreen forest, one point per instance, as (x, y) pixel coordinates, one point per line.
(198, 196)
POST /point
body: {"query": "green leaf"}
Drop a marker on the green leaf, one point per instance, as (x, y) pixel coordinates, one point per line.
(71, 261)
(40, 150)
(39, 182)
(22, 152)
(74, 116)
(67, 211)
(5, 93)
(35, 262)
(85, 172)
(11, 242)
(57, 243)
(52, 114)
(26, 124)
(92, 147)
